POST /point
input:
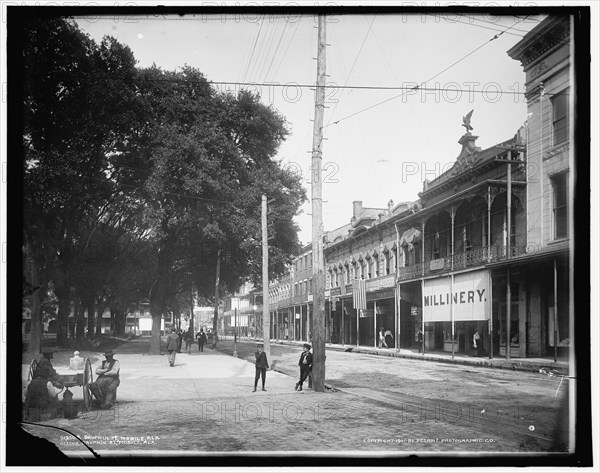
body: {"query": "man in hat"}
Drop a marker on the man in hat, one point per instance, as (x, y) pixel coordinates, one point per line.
(305, 364)
(104, 388)
(261, 366)
(45, 369)
(42, 392)
(172, 346)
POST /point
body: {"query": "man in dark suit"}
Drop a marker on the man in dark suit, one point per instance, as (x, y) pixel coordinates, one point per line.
(261, 366)
(305, 363)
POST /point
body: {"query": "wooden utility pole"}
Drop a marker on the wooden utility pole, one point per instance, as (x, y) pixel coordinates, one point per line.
(317, 220)
(192, 309)
(217, 280)
(265, 278)
(508, 254)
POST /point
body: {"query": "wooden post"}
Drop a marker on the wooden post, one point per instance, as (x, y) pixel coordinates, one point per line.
(217, 278)
(265, 281)
(555, 335)
(317, 219)
(508, 311)
(508, 207)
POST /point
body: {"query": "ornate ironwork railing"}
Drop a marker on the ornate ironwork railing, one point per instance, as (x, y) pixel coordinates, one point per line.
(410, 272)
(500, 253)
(478, 256)
(470, 258)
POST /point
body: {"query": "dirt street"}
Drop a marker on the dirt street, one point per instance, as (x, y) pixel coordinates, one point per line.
(378, 405)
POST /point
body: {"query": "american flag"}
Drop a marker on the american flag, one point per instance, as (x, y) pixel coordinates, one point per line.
(359, 294)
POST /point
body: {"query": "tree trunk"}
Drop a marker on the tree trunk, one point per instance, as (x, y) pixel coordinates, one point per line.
(101, 309)
(155, 338)
(120, 323)
(158, 293)
(35, 332)
(80, 323)
(192, 310)
(217, 281)
(91, 317)
(62, 293)
(113, 317)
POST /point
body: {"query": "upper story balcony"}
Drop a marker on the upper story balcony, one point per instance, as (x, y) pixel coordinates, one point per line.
(472, 258)
(474, 230)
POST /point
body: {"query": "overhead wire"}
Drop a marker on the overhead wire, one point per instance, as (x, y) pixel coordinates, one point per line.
(431, 78)
(275, 52)
(263, 57)
(398, 81)
(287, 48)
(253, 49)
(475, 18)
(354, 63)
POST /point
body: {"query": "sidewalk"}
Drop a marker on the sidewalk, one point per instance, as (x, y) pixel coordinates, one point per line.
(561, 366)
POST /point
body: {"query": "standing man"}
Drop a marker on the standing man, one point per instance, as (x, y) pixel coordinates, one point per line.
(201, 336)
(172, 346)
(215, 340)
(261, 364)
(189, 339)
(305, 364)
(104, 388)
(180, 333)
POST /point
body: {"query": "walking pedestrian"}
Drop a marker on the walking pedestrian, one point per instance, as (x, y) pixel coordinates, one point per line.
(261, 365)
(189, 339)
(305, 364)
(180, 341)
(420, 339)
(172, 346)
(201, 336)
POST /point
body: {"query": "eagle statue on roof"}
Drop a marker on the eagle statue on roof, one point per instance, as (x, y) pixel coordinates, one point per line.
(467, 121)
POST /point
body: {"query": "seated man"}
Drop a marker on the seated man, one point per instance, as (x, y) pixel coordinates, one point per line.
(105, 387)
(42, 393)
(46, 369)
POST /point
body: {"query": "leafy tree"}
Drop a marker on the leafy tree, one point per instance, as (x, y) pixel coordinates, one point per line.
(77, 104)
(209, 158)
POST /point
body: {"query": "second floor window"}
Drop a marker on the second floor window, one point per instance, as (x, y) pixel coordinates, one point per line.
(560, 117)
(559, 207)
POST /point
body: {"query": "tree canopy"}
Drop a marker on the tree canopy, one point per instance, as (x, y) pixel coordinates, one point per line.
(122, 163)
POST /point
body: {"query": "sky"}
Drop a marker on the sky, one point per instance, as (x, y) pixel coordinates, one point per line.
(382, 139)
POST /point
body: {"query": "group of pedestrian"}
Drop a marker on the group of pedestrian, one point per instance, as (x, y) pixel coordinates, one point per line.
(261, 365)
(177, 337)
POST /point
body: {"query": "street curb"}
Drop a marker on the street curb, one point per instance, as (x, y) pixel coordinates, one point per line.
(558, 367)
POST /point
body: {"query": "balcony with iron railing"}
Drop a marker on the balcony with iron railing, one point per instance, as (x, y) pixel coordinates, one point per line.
(472, 258)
